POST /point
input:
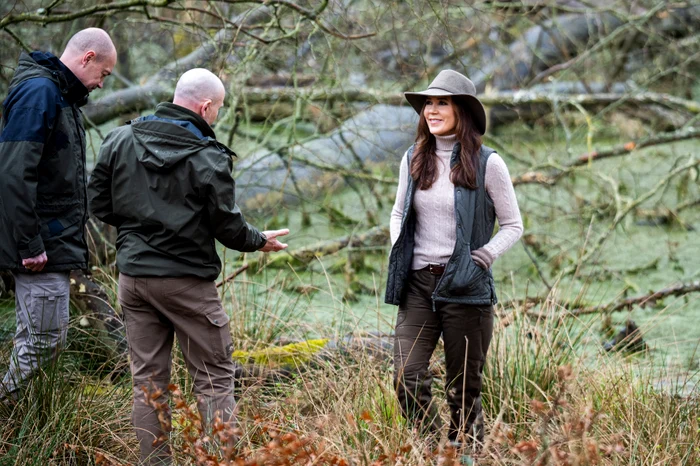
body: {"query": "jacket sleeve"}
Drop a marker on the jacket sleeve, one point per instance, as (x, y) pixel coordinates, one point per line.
(100, 185)
(29, 116)
(228, 223)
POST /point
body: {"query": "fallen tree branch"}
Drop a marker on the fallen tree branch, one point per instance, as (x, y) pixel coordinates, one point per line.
(641, 301)
(573, 309)
(255, 95)
(665, 215)
(551, 177)
(304, 256)
(161, 86)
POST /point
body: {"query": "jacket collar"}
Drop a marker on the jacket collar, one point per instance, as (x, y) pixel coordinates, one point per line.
(171, 111)
(72, 89)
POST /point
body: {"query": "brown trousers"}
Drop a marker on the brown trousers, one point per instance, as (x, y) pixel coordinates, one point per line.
(466, 332)
(155, 310)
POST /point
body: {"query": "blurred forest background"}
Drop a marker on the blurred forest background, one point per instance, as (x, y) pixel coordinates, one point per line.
(593, 104)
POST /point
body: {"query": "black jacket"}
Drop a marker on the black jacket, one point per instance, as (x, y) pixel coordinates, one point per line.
(165, 183)
(463, 281)
(43, 203)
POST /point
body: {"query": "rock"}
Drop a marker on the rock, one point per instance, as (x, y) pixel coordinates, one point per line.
(628, 339)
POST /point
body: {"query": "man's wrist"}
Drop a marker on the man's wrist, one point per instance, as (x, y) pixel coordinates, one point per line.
(33, 248)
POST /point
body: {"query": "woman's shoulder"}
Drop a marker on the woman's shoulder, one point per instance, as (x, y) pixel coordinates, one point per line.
(496, 169)
(495, 160)
(408, 153)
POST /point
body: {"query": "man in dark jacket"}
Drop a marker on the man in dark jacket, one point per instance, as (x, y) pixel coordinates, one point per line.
(43, 201)
(165, 182)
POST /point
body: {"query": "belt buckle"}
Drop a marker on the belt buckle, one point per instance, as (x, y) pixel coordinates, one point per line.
(436, 269)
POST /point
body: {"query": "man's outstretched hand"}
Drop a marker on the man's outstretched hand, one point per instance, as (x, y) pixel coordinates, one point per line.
(273, 243)
(37, 263)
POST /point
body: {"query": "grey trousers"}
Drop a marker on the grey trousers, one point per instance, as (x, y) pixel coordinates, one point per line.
(42, 301)
(155, 311)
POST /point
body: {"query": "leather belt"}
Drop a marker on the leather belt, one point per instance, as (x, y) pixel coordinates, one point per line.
(435, 269)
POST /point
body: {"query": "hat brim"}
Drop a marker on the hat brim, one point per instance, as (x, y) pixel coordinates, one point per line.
(475, 107)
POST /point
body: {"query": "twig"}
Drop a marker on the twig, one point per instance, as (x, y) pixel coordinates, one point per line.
(18, 40)
(642, 300)
(550, 178)
(233, 275)
(626, 210)
(605, 41)
(537, 266)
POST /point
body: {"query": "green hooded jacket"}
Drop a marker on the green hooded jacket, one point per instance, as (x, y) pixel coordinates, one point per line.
(166, 184)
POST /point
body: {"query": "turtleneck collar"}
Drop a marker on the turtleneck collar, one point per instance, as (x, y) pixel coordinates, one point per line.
(445, 143)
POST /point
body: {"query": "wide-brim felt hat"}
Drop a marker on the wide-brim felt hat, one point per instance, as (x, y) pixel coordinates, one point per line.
(452, 83)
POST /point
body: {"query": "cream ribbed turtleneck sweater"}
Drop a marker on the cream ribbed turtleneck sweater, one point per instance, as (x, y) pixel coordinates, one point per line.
(435, 217)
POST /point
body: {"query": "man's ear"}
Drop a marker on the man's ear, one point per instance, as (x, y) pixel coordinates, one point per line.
(88, 57)
(205, 107)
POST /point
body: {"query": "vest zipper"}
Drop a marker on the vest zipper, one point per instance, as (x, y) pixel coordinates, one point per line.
(437, 286)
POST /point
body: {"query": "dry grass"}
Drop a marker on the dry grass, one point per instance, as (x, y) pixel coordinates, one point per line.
(546, 403)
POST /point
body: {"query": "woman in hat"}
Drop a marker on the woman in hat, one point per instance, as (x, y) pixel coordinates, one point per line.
(452, 189)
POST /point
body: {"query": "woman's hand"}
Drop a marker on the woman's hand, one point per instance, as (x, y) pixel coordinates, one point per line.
(482, 258)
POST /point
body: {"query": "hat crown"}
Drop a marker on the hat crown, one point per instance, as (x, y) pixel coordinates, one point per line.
(453, 82)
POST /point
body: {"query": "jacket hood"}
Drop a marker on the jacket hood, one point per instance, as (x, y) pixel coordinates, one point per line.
(171, 135)
(47, 65)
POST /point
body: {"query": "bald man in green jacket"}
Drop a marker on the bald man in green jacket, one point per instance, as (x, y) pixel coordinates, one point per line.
(165, 182)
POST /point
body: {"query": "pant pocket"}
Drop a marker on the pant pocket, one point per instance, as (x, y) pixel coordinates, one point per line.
(48, 312)
(219, 333)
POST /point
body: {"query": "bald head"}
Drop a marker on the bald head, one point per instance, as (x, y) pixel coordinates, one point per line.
(91, 56)
(202, 92)
(94, 39)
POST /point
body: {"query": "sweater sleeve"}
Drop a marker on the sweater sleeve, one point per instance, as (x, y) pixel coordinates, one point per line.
(500, 188)
(397, 211)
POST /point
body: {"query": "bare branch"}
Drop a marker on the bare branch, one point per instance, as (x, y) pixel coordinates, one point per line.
(550, 178)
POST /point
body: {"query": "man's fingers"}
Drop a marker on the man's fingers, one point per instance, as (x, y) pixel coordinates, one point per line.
(277, 246)
(276, 233)
(35, 264)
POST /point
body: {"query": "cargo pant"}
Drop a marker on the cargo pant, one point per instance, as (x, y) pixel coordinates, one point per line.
(155, 310)
(466, 332)
(42, 301)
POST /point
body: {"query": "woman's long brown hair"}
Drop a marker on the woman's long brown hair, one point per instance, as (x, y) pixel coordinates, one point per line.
(424, 169)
